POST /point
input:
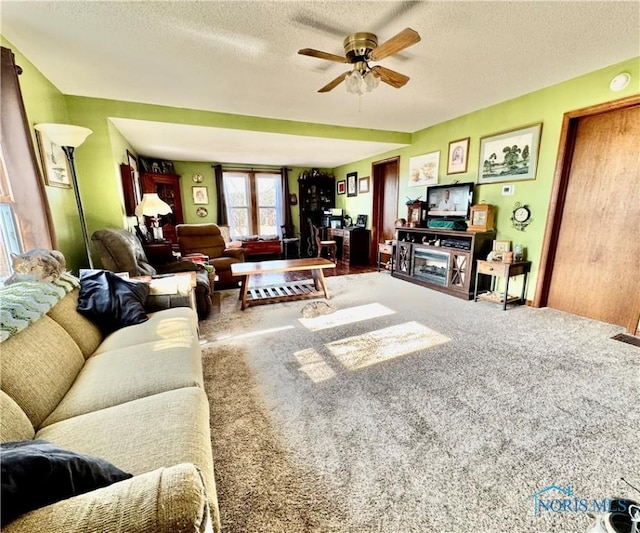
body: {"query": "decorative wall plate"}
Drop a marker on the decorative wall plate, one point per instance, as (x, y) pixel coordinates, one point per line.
(197, 178)
(202, 212)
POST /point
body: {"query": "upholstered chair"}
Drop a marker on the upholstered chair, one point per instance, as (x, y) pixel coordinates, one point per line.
(121, 251)
(207, 239)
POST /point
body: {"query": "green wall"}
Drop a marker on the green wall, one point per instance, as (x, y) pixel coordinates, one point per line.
(547, 106)
(98, 160)
(45, 103)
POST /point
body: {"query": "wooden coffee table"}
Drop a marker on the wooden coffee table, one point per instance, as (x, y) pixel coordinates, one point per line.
(293, 290)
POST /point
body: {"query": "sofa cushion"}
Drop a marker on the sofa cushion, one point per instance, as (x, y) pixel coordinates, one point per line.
(111, 301)
(39, 364)
(119, 376)
(142, 435)
(14, 424)
(167, 500)
(163, 325)
(86, 334)
(37, 473)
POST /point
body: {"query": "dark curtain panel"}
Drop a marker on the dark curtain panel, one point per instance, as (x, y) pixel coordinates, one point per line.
(286, 204)
(222, 202)
(29, 201)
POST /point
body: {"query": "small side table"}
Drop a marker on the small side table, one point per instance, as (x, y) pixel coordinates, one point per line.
(386, 249)
(497, 270)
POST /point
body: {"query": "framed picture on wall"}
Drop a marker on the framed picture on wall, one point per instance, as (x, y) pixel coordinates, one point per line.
(509, 156)
(54, 163)
(200, 195)
(363, 185)
(423, 169)
(342, 186)
(352, 184)
(458, 156)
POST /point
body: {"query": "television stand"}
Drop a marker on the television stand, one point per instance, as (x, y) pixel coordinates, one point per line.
(442, 259)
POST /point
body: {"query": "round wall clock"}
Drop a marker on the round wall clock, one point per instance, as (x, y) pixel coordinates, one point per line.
(202, 212)
(521, 216)
(197, 178)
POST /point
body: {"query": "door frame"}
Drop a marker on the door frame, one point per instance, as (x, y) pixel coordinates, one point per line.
(378, 199)
(561, 175)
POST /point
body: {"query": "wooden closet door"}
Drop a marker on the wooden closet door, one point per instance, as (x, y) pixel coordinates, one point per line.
(596, 270)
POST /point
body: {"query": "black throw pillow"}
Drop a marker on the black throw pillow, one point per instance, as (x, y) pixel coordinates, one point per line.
(110, 301)
(36, 473)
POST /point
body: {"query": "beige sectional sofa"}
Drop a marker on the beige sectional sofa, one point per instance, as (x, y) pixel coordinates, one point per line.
(134, 398)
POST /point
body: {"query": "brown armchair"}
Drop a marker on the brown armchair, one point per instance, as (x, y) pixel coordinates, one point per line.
(207, 239)
(121, 251)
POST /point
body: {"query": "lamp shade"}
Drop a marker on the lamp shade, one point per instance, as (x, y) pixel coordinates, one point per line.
(151, 206)
(65, 134)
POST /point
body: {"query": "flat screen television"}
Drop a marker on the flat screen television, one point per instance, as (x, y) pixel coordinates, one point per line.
(451, 202)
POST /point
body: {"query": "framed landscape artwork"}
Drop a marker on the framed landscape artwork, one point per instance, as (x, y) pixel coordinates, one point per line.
(509, 156)
(458, 156)
(423, 169)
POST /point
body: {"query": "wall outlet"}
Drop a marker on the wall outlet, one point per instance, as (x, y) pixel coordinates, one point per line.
(508, 190)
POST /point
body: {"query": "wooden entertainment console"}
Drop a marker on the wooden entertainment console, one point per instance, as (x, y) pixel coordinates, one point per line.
(444, 260)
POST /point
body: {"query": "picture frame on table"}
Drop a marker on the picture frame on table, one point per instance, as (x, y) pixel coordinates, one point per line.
(458, 159)
(342, 187)
(200, 195)
(55, 165)
(510, 155)
(352, 184)
(363, 185)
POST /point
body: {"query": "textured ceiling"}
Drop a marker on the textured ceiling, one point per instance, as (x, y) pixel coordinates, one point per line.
(241, 57)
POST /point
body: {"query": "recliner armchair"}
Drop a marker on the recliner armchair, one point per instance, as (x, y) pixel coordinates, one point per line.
(207, 239)
(121, 251)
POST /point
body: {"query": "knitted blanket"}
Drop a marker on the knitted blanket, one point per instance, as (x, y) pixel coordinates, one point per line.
(25, 302)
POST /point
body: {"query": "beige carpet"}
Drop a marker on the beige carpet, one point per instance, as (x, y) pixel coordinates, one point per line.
(409, 410)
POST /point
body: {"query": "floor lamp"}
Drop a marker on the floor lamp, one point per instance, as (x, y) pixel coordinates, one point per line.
(69, 137)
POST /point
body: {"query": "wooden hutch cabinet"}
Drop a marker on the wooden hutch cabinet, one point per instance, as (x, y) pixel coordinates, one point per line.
(316, 193)
(168, 188)
(444, 260)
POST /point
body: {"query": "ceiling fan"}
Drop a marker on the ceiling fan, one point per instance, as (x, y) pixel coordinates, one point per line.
(361, 48)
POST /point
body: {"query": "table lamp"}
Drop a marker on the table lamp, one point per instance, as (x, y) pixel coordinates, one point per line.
(69, 137)
(153, 207)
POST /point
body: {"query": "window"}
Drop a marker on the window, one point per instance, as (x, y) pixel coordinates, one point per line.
(254, 203)
(24, 211)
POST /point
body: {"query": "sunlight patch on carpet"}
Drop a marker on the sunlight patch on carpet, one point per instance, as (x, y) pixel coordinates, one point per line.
(384, 344)
(313, 365)
(232, 336)
(346, 316)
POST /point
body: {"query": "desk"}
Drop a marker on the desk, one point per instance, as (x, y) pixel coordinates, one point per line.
(497, 269)
(293, 290)
(352, 244)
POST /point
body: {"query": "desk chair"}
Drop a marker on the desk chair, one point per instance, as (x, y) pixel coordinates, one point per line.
(330, 246)
(287, 241)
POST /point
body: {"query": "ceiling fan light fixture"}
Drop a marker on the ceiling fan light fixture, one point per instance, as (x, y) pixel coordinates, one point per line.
(371, 81)
(354, 83)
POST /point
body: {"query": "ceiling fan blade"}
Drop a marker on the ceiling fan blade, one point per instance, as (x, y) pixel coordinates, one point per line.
(390, 77)
(333, 84)
(322, 55)
(318, 25)
(402, 40)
